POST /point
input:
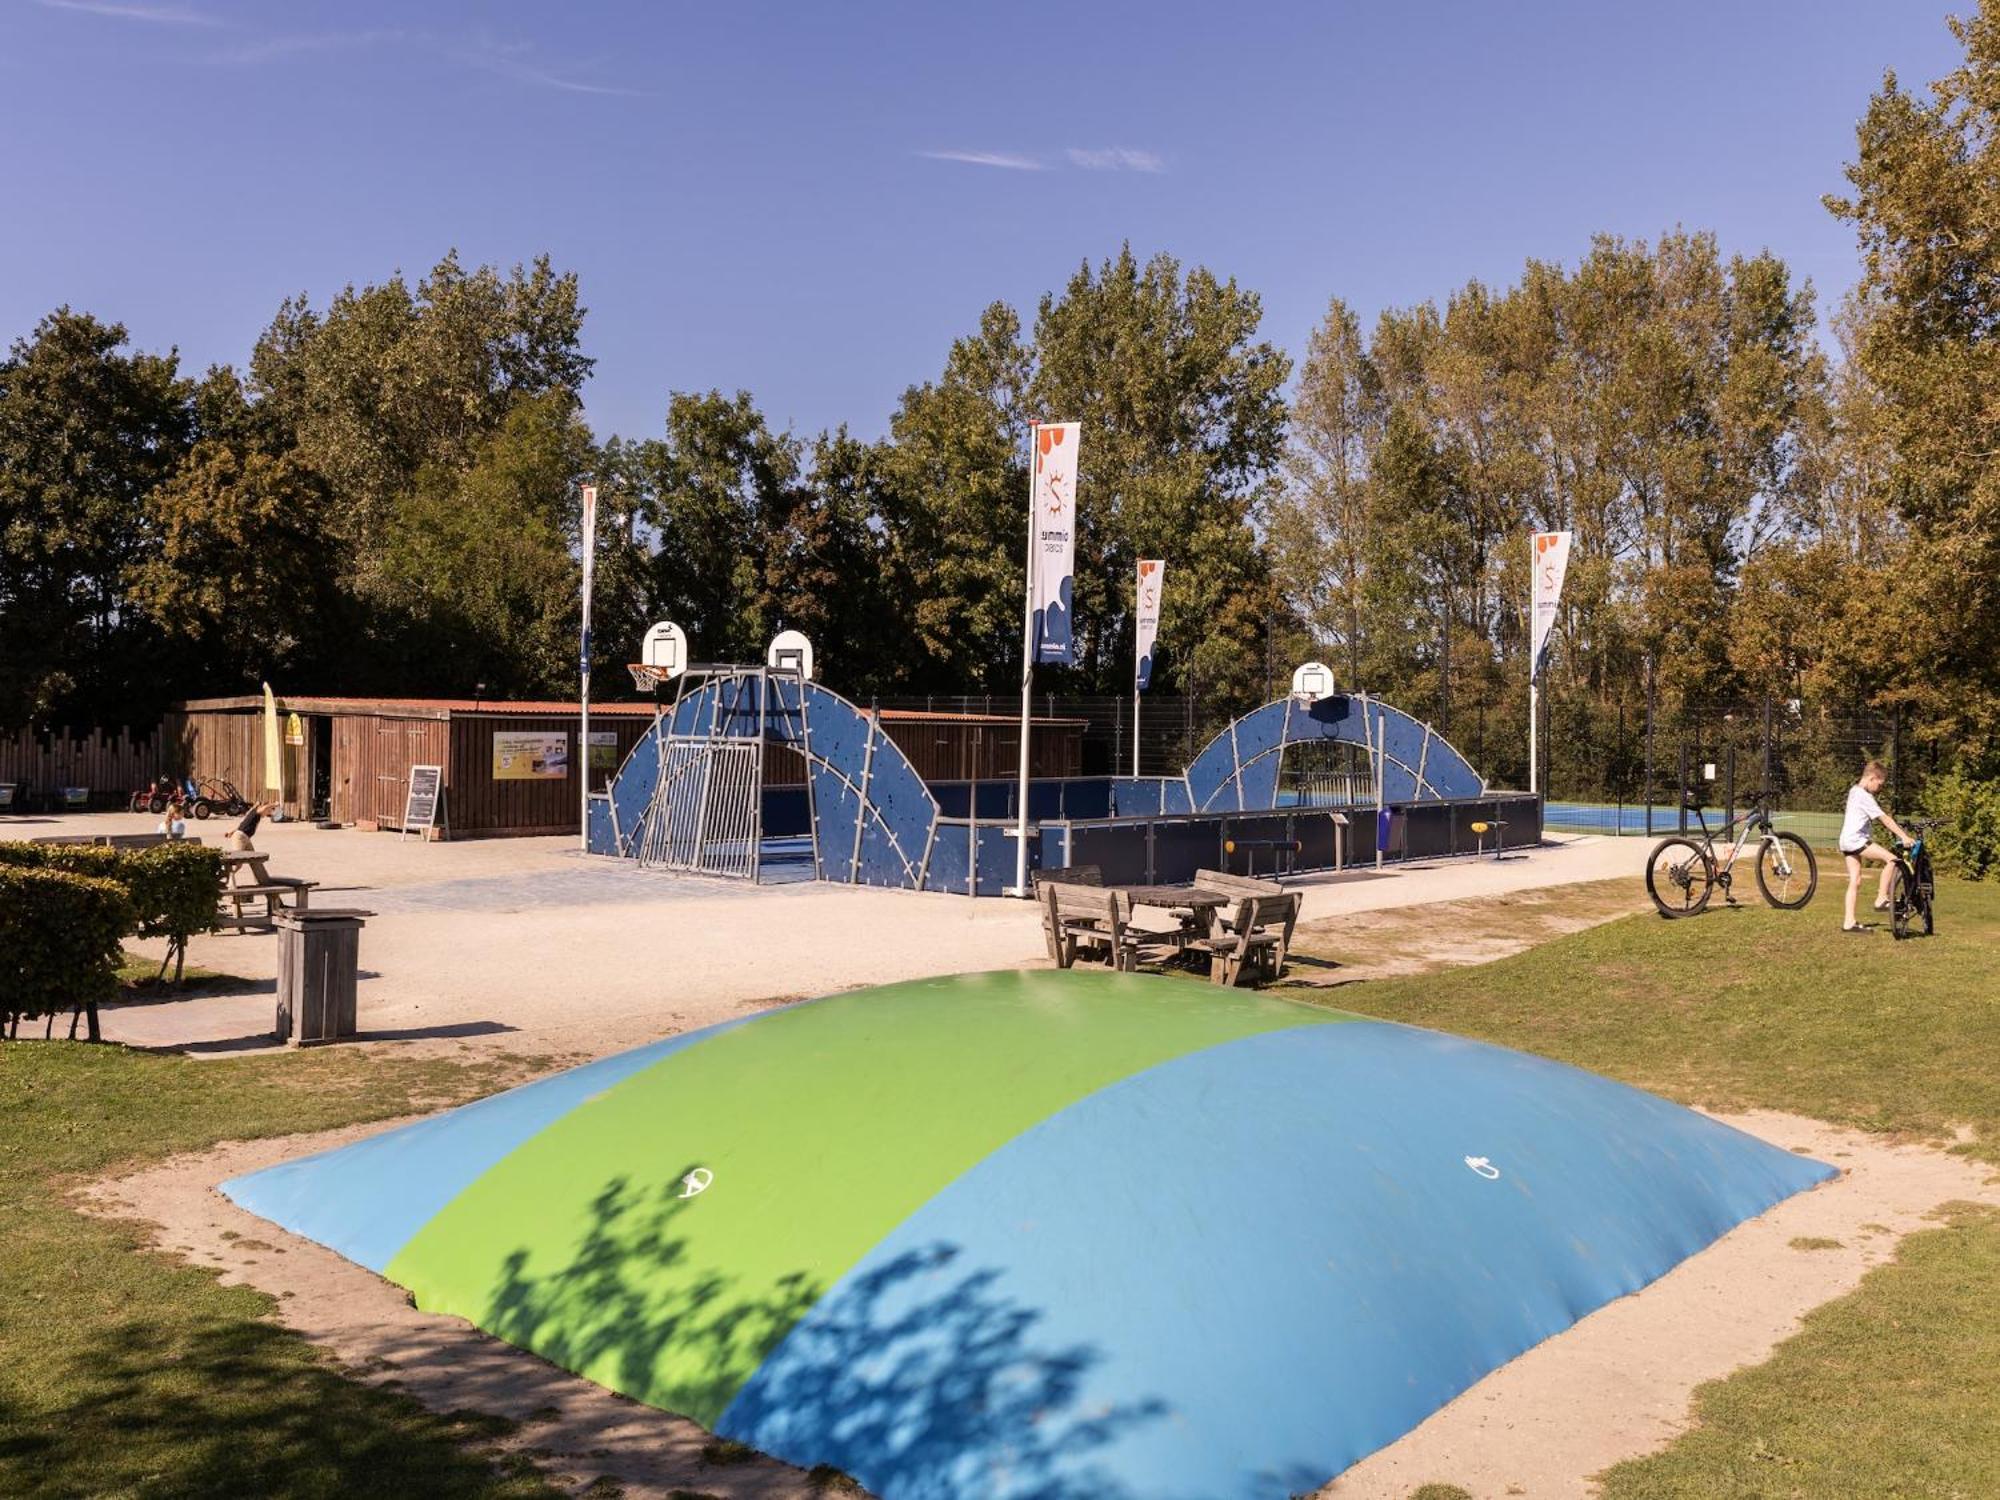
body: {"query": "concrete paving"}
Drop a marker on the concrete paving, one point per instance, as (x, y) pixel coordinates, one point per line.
(531, 946)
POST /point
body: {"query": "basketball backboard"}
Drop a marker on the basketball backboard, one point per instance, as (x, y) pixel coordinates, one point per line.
(1313, 681)
(791, 652)
(665, 650)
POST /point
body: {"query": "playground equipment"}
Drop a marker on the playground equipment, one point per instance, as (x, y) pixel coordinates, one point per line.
(693, 796)
(1019, 1234)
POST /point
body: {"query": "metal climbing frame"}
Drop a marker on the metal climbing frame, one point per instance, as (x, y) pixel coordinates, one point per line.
(705, 816)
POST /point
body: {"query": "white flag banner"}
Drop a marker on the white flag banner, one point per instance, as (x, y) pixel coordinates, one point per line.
(589, 537)
(1551, 563)
(1052, 515)
(1152, 576)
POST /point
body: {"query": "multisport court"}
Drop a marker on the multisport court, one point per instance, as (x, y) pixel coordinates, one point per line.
(1052, 1234)
(695, 796)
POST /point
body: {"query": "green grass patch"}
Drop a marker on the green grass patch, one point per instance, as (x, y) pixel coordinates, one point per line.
(1893, 1390)
(1753, 1008)
(123, 1373)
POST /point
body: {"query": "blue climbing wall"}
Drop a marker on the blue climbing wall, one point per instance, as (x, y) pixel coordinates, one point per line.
(873, 816)
(1237, 771)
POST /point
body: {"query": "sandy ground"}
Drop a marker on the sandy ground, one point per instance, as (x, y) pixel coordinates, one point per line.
(528, 946)
(1614, 1386)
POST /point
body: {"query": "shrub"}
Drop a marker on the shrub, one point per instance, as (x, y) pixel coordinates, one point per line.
(171, 886)
(59, 944)
(1967, 839)
(173, 890)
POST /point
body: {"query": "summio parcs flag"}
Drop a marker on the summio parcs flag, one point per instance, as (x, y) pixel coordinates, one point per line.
(1146, 615)
(1551, 563)
(1052, 523)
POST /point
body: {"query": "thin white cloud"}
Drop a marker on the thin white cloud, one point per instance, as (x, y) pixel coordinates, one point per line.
(1115, 159)
(135, 10)
(510, 60)
(1007, 160)
(278, 48)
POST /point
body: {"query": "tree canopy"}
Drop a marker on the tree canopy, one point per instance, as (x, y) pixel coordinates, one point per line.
(385, 499)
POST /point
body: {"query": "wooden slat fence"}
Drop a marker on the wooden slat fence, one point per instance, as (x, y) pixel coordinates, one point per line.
(110, 764)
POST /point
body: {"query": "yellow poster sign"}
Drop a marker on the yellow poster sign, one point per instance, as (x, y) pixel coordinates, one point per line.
(295, 730)
(530, 757)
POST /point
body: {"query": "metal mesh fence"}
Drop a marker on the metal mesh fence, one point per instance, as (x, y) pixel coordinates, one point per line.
(1610, 770)
(1171, 730)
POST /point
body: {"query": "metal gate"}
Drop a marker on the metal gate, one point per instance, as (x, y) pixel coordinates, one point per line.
(706, 815)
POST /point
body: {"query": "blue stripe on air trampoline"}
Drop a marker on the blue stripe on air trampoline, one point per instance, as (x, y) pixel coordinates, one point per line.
(369, 1199)
(1237, 1273)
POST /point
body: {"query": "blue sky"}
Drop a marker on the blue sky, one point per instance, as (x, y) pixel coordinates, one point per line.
(811, 200)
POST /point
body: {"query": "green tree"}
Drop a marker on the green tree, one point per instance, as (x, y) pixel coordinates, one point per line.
(86, 431)
(955, 511)
(1319, 529)
(481, 561)
(238, 564)
(1926, 209)
(1184, 427)
(710, 488)
(390, 380)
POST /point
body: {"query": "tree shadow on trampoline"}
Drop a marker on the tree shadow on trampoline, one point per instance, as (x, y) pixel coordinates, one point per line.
(919, 1378)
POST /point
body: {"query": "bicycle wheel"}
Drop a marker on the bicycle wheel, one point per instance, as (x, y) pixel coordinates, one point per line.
(1679, 877)
(1787, 873)
(1902, 903)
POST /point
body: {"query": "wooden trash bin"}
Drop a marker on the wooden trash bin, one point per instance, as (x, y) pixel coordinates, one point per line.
(318, 957)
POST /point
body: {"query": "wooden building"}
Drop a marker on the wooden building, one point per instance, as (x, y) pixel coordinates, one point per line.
(510, 768)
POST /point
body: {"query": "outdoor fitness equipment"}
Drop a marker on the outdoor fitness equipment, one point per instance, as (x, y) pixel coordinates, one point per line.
(1683, 872)
(1913, 893)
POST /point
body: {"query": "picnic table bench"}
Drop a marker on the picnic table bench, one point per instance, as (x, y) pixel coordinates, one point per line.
(1243, 926)
(262, 885)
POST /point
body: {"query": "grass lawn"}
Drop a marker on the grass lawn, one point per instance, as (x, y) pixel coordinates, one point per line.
(125, 1374)
(1895, 1389)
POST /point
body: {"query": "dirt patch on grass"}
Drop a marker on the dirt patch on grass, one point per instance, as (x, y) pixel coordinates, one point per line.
(1451, 934)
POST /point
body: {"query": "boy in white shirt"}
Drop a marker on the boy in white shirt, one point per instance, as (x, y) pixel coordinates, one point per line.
(1856, 846)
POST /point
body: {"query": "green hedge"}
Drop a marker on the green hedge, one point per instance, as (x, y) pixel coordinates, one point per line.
(171, 886)
(60, 937)
(1967, 839)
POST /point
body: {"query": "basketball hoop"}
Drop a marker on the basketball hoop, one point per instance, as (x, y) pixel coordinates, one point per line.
(1312, 682)
(662, 657)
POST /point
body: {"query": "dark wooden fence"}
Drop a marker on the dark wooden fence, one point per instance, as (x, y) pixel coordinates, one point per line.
(37, 766)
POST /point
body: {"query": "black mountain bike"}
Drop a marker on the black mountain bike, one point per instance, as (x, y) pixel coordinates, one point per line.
(1683, 872)
(1912, 894)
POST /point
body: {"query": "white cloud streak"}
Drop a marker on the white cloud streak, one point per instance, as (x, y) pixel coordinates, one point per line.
(1006, 160)
(511, 61)
(134, 10)
(278, 48)
(1115, 159)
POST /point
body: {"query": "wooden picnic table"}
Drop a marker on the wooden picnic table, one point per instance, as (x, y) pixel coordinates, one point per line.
(261, 884)
(1200, 900)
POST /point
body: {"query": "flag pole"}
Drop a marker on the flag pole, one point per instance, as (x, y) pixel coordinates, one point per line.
(589, 539)
(1028, 648)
